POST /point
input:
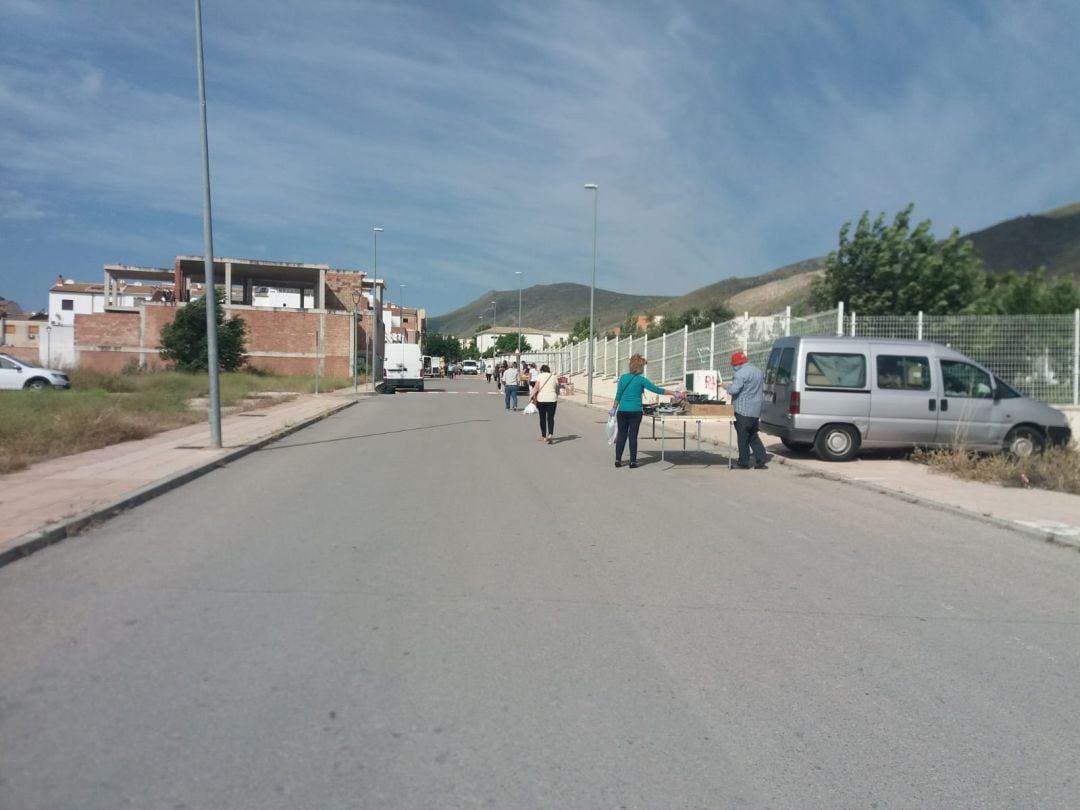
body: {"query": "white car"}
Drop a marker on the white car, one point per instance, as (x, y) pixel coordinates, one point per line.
(16, 374)
(469, 367)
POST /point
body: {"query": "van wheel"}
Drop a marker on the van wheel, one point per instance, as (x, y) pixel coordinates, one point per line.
(1023, 442)
(798, 447)
(837, 442)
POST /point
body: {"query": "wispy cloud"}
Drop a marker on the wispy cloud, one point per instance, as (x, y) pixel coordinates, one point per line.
(726, 139)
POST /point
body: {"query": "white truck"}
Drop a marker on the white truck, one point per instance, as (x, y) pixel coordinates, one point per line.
(402, 368)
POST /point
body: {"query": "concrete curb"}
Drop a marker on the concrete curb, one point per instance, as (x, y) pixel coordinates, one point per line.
(1044, 534)
(35, 541)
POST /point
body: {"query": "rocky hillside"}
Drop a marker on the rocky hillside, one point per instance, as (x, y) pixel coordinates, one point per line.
(1023, 244)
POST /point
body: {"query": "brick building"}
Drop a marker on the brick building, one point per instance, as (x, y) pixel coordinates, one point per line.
(299, 317)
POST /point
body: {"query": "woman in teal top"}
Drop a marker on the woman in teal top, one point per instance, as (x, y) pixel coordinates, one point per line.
(628, 407)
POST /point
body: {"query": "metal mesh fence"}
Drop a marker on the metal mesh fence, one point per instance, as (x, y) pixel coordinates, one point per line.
(1036, 354)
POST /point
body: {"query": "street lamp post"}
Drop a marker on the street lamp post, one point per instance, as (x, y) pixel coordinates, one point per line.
(375, 274)
(404, 331)
(355, 338)
(520, 276)
(592, 291)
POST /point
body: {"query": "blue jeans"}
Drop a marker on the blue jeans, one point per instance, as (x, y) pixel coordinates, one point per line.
(746, 430)
(510, 393)
(629, 422)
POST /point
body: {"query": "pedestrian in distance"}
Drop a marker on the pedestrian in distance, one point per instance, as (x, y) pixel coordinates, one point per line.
(746, 389)
(510, 384)
(450, 371)
(545, 395)
(488, 368)
(627, 408)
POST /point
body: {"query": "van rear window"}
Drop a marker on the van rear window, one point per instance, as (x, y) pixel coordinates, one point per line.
(835, 370)
(781, 364)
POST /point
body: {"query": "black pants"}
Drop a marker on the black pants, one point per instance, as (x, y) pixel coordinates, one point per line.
(746, 429)
(547, 418)
(629, 422)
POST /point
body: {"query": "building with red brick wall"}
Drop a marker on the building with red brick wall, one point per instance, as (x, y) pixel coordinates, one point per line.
(322, 317)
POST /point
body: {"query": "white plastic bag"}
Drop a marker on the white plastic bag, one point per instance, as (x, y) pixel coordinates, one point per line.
(612, 429)
(530, 408)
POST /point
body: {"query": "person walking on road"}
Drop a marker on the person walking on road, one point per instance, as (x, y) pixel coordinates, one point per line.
(747, 394)
(545, 393)
(510, 384)
(627, 408)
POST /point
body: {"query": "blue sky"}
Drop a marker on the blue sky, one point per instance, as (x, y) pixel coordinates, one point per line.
(728, 138)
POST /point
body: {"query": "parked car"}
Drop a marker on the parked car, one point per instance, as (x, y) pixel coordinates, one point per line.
(469, 367)
(16, 374)
(836, 395)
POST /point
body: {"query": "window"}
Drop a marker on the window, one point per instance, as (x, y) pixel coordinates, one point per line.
(9, 329)
(835, 370)
(903, 372)
(67, 304)
(965, 380)
(779, 368)
(32, 332)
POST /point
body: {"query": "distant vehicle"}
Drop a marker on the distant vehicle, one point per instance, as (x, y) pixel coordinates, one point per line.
(836, 395)
(469, 367)
(432, 366)
(16, 374)
(402, 368)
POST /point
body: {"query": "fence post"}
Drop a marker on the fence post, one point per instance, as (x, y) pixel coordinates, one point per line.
(605, 356)
(685, 347)
(663, 359)
(919, 328)
(840, 318)
(712, 346)
(853, 323)
(787, 321)
(1076, 356)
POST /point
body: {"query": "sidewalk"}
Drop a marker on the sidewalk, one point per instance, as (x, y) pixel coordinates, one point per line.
(1052, 516)
(56, 499)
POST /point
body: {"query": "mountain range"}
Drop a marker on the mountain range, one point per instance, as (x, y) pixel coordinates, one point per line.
(1023, 244)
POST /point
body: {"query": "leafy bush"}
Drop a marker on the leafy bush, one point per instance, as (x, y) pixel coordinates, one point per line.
(184, 341)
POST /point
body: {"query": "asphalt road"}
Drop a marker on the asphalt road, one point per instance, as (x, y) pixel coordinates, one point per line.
(414, 604)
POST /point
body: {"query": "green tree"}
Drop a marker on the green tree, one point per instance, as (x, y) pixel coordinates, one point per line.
(183, 342)
(444, 346)
(894, 270)
(1030, 294)
(580, 330)
(506, 344)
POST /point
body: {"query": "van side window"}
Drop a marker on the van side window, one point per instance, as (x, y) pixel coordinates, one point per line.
(835, 370)
(903, 372)
(786, 369)
(964, 380)
(770, 367)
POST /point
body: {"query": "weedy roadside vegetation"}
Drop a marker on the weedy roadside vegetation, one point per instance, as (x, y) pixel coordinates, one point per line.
(104, 408)
(1057, 468)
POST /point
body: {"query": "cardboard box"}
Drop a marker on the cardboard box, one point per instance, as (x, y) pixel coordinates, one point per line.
(708, 409)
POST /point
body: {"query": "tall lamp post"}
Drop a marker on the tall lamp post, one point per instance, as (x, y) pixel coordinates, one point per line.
(356, 296)
(404, 331)
(592, 291)
(375, 273)
(520, 275)
(210, 295)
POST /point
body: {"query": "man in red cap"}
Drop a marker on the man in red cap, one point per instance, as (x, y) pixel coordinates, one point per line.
(746, 390)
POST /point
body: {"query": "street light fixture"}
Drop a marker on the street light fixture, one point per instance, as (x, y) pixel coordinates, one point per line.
(520, 274)
(595, 189)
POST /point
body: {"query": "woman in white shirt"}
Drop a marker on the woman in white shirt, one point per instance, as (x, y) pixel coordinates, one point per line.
(545, 393)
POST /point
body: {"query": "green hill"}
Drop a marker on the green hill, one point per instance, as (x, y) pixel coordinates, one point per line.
(543, 306)
(1023, 244)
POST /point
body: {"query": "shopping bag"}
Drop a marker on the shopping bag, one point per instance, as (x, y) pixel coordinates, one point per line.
(612, 429)
(530, 408)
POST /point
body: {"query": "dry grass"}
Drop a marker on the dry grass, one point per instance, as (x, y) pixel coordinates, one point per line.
(104, 409)
(1057, 469)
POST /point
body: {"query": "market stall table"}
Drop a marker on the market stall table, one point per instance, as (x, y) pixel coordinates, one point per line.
(684, 418)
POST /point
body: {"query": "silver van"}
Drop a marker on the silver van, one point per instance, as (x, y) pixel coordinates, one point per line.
(836, 395)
